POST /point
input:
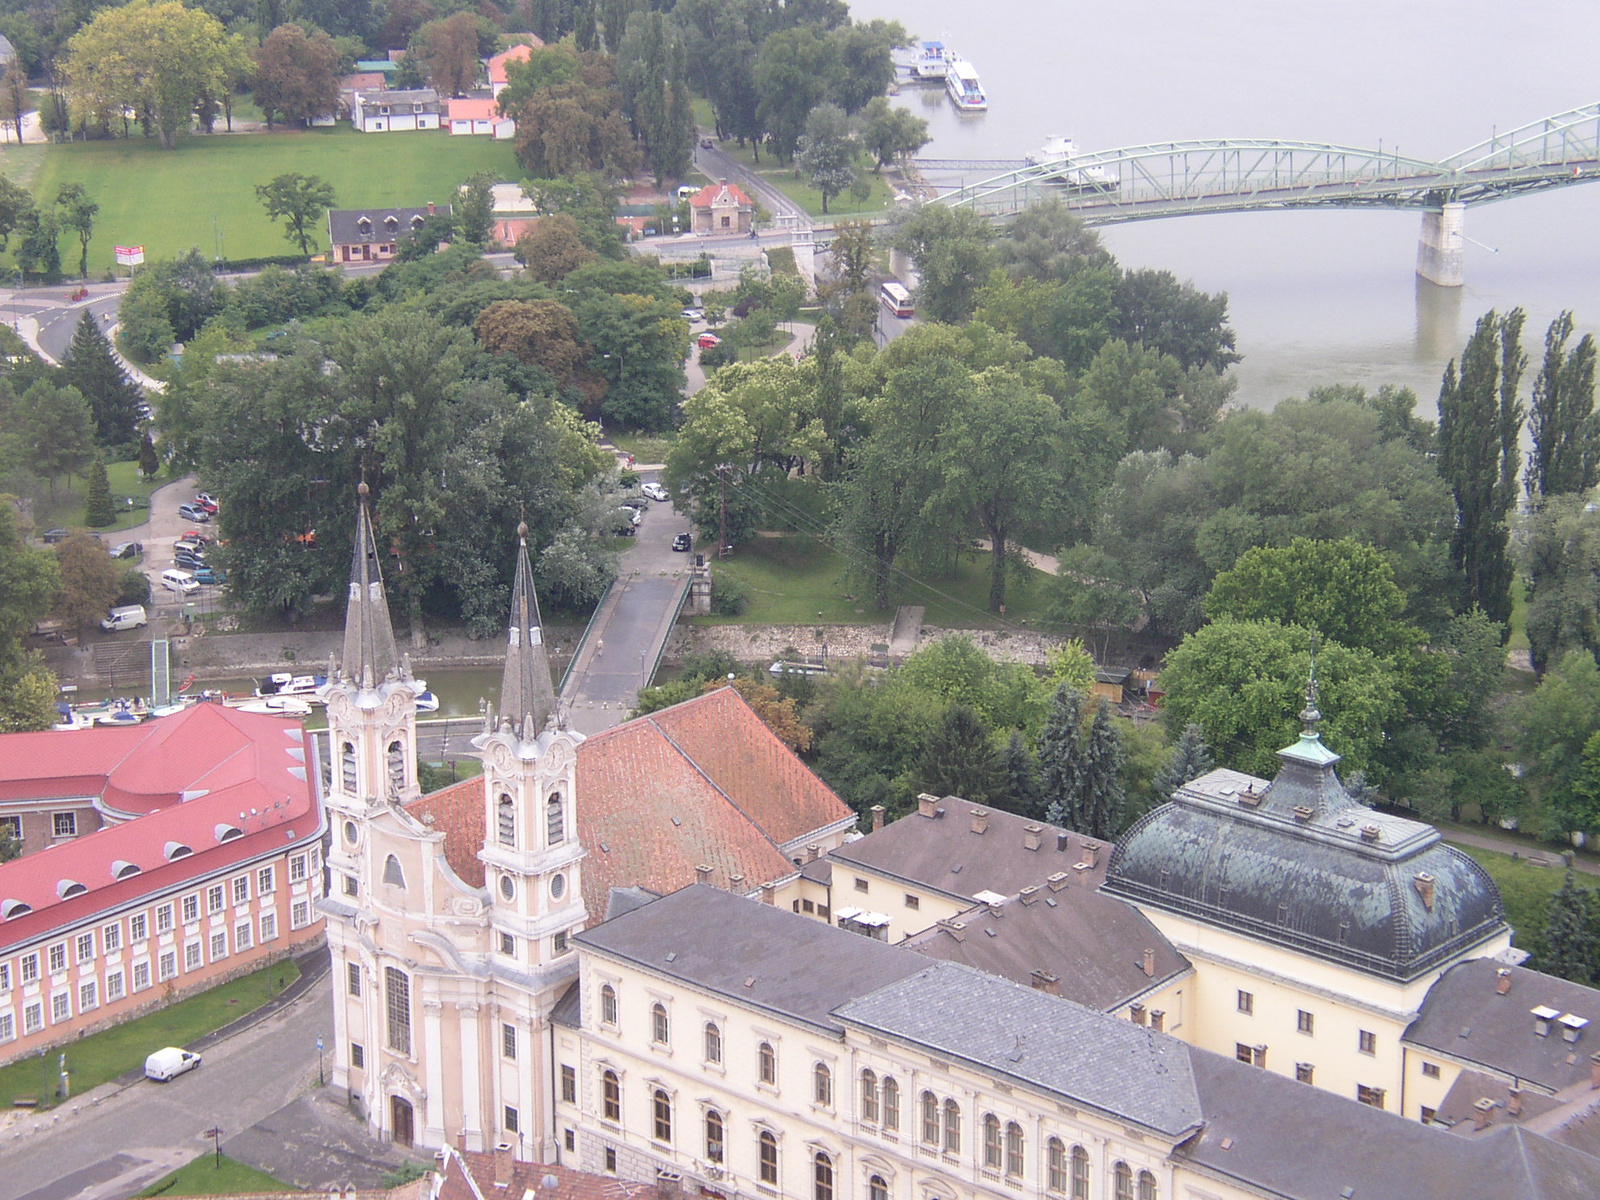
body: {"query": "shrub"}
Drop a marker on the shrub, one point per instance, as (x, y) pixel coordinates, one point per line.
(729, 597)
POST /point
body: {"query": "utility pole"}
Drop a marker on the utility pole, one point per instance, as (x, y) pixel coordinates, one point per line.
(722, 515)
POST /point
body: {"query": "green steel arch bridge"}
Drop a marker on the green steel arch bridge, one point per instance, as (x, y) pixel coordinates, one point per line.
(1173, 179)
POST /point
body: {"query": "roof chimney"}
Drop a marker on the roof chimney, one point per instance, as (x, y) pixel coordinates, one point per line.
(1502, 981)
(430, 213)
(1047, 981)
(1542, 1016)
(1029, 894)
(702, 874)
(1482, 1111)
(1150, 962)
(958, 930)
(768, 891)
(736, 883)
(877, 817)
(1572, 1026)
(927, 805)
(980, 820)
(1032, 836)
(669, 1185)
(1136, 1013)
(504, 1159)
(1369, 833)
(1091, 853)
(1514, 1102)
(1057, 881)
(1083, 871)
(1424, 884)
(1063, 842)
(813, 852)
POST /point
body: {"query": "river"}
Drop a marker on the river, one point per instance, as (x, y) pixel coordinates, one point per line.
(1316, 297)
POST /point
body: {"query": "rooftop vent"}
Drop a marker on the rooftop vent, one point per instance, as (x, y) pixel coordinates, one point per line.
(1029, 894)
(1542, 1016)
(10, 909)
(1424, 883)
(1572, 1026)
(68, 888)
(124, 870)
(1303, 812)
(173, 851)
(1047, 981)
(1369, 833)
(226, 833)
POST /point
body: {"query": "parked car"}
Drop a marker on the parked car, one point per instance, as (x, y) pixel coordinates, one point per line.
(193, 512)
(205, 539)
(681, 542)
(694, 314)
(179, 581)
(128, 616)
(209, 575)
(654, 491)
(706, 143)
(127, 550)
(190, 544)
(707, 340)
(165, 1065)
(188, 559)
(207, 501)
(52, 536)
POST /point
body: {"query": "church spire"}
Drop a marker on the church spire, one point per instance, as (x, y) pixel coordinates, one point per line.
(527, 700)
(369, 649)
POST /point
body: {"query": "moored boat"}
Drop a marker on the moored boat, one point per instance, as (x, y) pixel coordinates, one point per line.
(932, 61)
(286, 684)
(1063, 150)
(962, 83)
(279, 706)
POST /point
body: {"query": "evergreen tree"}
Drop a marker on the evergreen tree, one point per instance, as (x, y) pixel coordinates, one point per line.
(588, 36)
(1191, 758)
(97, 510)
(1561, 421)
(149, 464)
(1480, 422)
(1020, 778)
(1569, 939)
(959, 758)
(1061, 761)
(115, 400)
(1102, 777)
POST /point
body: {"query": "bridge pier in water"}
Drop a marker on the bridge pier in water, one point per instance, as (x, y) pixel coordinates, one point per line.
(1442, 245)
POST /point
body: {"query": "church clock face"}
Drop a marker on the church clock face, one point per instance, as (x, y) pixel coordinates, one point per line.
(503, 760)
(340, 710)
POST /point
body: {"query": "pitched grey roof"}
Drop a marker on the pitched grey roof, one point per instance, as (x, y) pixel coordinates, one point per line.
(1085, 1057)
(527, 698)
(1464, 1017)
(345, 226)
(943, 853)
(568, 1010)
(752, 953)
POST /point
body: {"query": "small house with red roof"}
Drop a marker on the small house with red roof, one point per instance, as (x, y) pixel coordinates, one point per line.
(476, 115)
(196, 858)
(721, 207)
(499, 64)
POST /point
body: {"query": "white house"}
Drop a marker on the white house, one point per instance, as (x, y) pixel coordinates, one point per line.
(394, 112)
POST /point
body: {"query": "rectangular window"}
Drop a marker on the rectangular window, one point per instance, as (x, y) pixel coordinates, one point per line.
(66, 824)
(1369, 1095)
(193, 956)
(861, 884)
(806, 906)
(5, 977)
(243, 937)
(113, 986)
(219, 945)
(85, 947)
(512, 1117)
(508, 1041)
(1428, 1114)
(58, 957)
(191, 909)
(1246, 1002)
(397, 994)
(11, 825)
(558, 944)
(611, 1159)
(241, 890)
(1368, 1042)
(111, 935)
(571, 1140)
(569, 1084)
(1430, 1070)
(266, 881)
(299, 914)
(167, 965)
(33, 1018)
(1305, 1022)
(352, 979)
(8, 1027)
(138, 928)
(1244, 1053)
(164, 919)
(349, 885)
(269, 927)
(358, 1055)
(297, 869)
(216, 897)
(1302, 1072)
(913, 901)
(141, 976)
(30, 968)
(60, 1008)
(88, 995)
(508, 945)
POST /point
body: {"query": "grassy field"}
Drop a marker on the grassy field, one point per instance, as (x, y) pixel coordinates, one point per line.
(1526, 891)
(203, 193)
(20, 164)
(643, 447)
(878, 200)
(103, 1056)
(65, 508)
(205, 1177)
(797, 580)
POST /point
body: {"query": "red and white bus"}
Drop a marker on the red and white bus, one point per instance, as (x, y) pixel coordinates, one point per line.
(896, 299)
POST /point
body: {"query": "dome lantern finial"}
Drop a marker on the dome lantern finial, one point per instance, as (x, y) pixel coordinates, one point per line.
(1309, 714)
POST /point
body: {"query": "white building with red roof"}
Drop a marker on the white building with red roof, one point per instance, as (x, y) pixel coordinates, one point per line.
(191, 855)
(721, 207)
(499, 65)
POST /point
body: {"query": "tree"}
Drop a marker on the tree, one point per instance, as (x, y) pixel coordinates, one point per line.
(155, 57)
(14, 104)
(296, 75)
(952, 250)
(10, 843)
(77, 214)
(299, 201)
(1062, 765)
(448, 51)
(1050, 243)
(1019, 779)
(1480, 421)
(888, 131)
(1174, 318)
(572, 126)
(90, 581)
(1562, 422)
(775, 710)
(1550, 729)
(149, 464)
(15, 205)
(1560, 555)
(1103, 759)
(535, 331)
(475, 213)
(97, 510)
(553, 248)
(52, 424)
(1570, 944)
(39, 249)
(29, 580)
(791, 78)
(827, 151)
(115, 400)
(959, 758)
(1191, 758)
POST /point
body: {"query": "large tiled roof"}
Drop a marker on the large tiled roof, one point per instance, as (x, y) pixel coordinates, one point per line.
(499, 63)
(1465, 1017)
(944, 853)
(225, 785)
(723, 193)
(1003, 1028)
(767, 957)
(1093, 944)
(470, 1175)
(472, 108)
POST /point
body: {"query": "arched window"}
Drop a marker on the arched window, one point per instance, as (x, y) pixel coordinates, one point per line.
(555, 826)
(767, 1147)
(506, 820)
(991, 1141)
(713, 1136)
(1147, 1186)
(869, 1097)
(1055, 1166)
(608, 1005)
(392, 874)
(397, 765)
(891, 1103)
(952, 1127)
(930, 1118)
(822, 1085)
(821, 1177)
(611, 1096)
(1080, 1173)
(1122, 1177)
(1014, 1150)
(347, 768)
(661, 1128)
(877, 1188)
(766, 1063)
(713, 1043)
(660, 1031)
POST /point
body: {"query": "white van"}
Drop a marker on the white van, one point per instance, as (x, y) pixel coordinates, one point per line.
(128, 616)
(165, 1065)
(179, 581)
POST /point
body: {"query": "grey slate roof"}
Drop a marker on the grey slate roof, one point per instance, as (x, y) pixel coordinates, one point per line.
(944, 854)
(752, 953)
(568, 1010)
(345, 229)
(1003, 1028)
(1464, 1017)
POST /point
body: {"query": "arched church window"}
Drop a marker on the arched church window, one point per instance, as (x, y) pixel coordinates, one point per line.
(397, 765)
(392, 874)
(555, 824)
(347, 768)
(506, 820)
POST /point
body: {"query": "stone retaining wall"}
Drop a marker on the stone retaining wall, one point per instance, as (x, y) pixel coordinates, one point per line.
(753, 643)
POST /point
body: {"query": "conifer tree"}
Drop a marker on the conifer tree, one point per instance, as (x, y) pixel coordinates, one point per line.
(149, 464)
(115, 400)
(1562, 422)
(97, 512)
(1191, 758)
(1020, 775)
(1569, 939)
(959, 758)
(1103, 793)
(1061, 760)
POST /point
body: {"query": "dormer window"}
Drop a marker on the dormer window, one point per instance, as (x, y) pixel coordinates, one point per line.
(364, 227)
(417, 222)
(391, 223)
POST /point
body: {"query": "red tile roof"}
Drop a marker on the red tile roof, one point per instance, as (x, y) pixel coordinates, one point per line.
(703, 783)
(723, 192)
(498, 64)
(227, 785)
(472, 110)
(525, 1179)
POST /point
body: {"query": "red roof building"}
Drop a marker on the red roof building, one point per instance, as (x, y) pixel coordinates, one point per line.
(498, 77)
(721, 207)
(205, 865)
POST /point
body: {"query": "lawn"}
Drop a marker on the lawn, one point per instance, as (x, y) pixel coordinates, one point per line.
(796, 580)
(20, 164)
(1526, 891)
(103, 1056)
(644, 447)
(203, 193)
(65, 508)
(878, 200)
(206, 1177)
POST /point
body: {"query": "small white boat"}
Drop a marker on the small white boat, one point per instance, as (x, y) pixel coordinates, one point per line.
(285, 684)
(1063, 150)
(71, 719)
(278, 706)
(121, 712)
(961, 81)
(427, 702)
(932, 61)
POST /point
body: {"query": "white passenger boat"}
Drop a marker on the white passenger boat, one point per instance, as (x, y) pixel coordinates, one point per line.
(962, 83)
(1063, 150)
(277, 706)
(932, 61)
(285, 684)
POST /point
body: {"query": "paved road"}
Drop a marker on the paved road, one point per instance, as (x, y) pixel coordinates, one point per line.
(113, 1148)
(716, 165)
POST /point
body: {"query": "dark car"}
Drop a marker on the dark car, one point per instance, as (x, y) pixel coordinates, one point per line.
(209, 575)
(193, 512)
(127, 550)
(189, 560)
(681, 542)
(52, 536)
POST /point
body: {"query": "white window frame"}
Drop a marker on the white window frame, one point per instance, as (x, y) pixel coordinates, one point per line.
(111, 937)
(216, 898)
(266, 880)
(114, 986)
(84, 954)
(141, 972)
(241, 889)
(269, 927)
